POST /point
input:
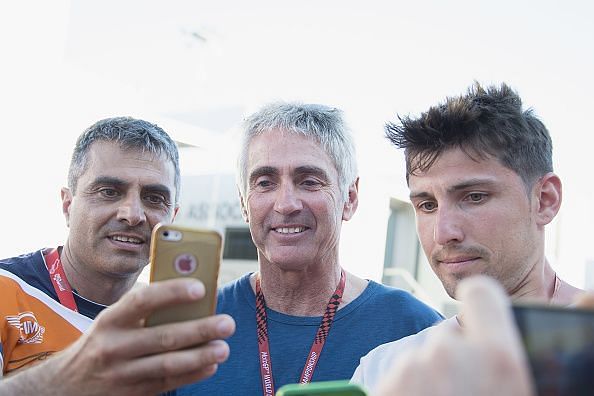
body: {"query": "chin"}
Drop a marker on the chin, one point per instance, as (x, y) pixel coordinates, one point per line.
(285, 264)
(126, 271)
(450, 287)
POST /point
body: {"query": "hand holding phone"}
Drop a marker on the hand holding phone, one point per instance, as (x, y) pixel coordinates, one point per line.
(178, 251)
(559, 342)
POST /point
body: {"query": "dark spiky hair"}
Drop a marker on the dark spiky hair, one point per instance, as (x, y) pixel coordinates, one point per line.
(485, 122)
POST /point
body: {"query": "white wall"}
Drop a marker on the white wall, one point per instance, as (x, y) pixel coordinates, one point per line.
(180, 63)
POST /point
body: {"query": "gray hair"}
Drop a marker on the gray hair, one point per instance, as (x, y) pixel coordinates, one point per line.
(130, 133)
(322, 123)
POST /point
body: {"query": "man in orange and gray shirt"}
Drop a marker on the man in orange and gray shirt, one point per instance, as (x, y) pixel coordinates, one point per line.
(76, 299)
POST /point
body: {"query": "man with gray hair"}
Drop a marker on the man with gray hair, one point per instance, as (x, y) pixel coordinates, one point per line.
(70, 324)
(302, 317)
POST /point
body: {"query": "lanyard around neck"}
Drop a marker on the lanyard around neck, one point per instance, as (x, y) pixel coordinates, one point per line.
(58, 277)
(316, 347)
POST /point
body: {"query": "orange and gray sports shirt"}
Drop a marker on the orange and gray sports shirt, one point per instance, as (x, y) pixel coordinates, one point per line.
(33, 322)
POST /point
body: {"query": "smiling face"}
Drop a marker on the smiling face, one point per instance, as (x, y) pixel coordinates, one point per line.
(293, 205)
(475, 217)
(120, 197)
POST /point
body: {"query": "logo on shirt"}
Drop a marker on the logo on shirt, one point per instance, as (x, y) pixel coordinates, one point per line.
(31, 332)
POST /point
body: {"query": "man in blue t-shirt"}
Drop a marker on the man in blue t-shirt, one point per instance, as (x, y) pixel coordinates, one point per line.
(302, 317)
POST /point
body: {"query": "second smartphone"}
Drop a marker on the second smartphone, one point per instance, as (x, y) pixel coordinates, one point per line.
(559, 342)
(322, 388)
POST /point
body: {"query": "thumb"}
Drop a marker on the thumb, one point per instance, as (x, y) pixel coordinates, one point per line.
(486, 311)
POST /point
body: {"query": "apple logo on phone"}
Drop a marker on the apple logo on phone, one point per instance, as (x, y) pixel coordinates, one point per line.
(185, 264)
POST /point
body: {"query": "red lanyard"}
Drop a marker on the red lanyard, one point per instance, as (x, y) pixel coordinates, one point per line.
(316, 347)
(59, 280)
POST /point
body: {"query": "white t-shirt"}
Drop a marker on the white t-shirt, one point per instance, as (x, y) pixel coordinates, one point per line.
(379, 360)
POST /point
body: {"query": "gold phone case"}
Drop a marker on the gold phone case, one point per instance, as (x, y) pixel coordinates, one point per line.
(178, 251)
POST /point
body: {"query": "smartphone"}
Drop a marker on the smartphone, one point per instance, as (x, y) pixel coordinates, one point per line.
(178, 251)
(322, 388)
(559, 342)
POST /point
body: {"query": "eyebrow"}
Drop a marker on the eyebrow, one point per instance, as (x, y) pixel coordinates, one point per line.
(107, 180)
(472, 183)
(312, 170)
(465, 185)
(262, 171)
(116, 182)
(158, 188)
(299, 171)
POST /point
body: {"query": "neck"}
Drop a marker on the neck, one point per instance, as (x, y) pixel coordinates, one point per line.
(94, 285)
(305, 293)
(539, 285)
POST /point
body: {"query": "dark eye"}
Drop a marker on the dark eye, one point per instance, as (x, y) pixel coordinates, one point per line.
(476, 197)
(311, 182)
(156, 199)
(428, 206)
(109, 192)
(264, 183)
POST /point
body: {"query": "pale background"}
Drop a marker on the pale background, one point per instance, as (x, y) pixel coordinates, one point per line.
(197, 67)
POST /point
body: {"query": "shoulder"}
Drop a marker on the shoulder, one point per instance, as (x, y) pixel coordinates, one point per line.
(237, 285)
(378, 360)
(22, 264)
(400, 300)
(389, 313)
(26, 269)
(394, 348)
(232, 294)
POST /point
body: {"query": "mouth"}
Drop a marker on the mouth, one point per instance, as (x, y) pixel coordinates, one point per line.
(289, 230)
(127, 239)
(458, 260)
(460, 265)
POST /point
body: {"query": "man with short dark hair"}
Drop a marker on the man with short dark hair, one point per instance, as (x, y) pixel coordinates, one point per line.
(479, 169)
(71, 325)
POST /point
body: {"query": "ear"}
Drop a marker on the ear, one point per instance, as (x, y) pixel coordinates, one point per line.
(350, 206)
(66, 195)
(244, 212)
(548, 194)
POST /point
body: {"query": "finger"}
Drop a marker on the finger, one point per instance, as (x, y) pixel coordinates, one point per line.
(153, 386)
(585, 300)
(182, 335)
(139, 303)
(404, 377)
(169, 337)
(443, 357)
(485, 311)
(190, 378)
(166, 366)
(418, 369)
(489, 325)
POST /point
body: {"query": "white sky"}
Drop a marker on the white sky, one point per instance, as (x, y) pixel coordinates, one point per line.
(68, 64)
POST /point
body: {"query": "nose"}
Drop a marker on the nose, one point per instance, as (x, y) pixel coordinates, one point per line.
(131, 211)
(448, 228)
(287, 201)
